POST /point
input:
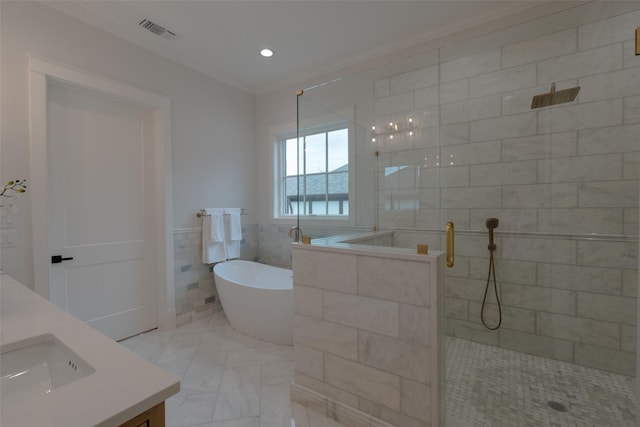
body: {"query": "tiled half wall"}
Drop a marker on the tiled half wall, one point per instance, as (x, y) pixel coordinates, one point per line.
(366, 335)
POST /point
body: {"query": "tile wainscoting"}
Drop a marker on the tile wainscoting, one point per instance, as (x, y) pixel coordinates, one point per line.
(195, 290)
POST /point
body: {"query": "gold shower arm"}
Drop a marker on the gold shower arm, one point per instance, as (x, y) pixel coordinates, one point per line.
(449, 252)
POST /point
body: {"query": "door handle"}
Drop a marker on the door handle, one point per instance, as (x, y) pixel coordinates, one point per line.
(55, 259)
(450, 252)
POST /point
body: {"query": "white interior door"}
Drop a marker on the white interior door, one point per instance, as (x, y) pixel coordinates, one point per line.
(101, 188)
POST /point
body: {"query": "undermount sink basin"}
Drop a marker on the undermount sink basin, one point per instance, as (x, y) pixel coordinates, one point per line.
(36, 366)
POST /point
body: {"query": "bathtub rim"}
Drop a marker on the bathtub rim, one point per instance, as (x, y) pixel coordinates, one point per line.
(216, 272)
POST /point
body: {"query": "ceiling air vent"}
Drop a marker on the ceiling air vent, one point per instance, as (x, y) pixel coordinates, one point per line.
(156, 29)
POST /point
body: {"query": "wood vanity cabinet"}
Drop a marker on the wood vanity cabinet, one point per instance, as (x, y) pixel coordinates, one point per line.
(154, 417)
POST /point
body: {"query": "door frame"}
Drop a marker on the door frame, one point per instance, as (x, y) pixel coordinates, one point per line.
(44, 71)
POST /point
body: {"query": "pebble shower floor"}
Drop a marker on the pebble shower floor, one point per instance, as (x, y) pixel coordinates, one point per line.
(489, 386)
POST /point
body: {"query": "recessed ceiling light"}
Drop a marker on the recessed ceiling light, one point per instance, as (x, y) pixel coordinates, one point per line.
(266, 53)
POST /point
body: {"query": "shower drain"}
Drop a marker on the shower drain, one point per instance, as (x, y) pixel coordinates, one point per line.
(556, 406)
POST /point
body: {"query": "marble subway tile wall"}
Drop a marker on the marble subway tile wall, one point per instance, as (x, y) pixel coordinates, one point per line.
(274, 243)
(195, 290)
(561, 172)
(360, 342)
(274, 246)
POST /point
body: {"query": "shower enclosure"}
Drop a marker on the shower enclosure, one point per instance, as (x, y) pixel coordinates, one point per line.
(450, 135)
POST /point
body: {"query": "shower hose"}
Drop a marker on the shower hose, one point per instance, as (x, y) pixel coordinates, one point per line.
(492, 272)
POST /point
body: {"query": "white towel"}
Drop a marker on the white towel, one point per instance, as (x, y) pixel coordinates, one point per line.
(233, 232)
(235, 223)
(217, 224)
(213, 236)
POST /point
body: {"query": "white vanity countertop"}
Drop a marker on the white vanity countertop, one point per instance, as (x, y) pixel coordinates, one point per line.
(123, 385)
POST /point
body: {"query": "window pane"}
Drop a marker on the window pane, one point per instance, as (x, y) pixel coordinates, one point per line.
(301, 156)
(291, 163)
(315, 185)
(319, 207)
(316, 153)
(339, 183)
(334, 207)
(292, 207)
(322, 188)
(290, 195)
(338, 143)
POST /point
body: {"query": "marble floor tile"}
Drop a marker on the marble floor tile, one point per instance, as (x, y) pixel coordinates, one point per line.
(218, 321)
(275, 405)
(231, 380)
(221, 341)
(227, 379)
(176, 358)
(259, 356)
(152, 344)
(184, 410)
(245, 422)
(239, 395)
(202, 376)
(277, 373)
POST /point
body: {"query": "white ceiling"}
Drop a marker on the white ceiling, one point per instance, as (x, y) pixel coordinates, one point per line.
(310, 38)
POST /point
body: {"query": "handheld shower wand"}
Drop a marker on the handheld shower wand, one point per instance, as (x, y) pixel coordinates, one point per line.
(491, 224)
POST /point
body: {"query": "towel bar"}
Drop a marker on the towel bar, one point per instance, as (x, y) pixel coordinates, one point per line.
(201, 213)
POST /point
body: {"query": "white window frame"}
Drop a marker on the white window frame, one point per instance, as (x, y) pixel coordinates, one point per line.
(282, 133)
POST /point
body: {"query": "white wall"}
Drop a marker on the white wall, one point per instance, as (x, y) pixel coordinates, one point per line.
(212, 123)
(276, 110)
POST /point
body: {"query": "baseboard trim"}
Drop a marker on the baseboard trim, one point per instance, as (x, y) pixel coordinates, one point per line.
(168, 320)
(333, 409)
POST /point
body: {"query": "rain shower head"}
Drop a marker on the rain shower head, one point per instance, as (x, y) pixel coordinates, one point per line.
(554, 97)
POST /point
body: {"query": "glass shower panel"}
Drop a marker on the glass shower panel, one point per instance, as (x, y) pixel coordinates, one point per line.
(451, 135)
(394, 139)
(552, 341)
(337, 183)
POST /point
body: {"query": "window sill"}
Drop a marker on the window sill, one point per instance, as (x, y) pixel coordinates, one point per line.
(313, 218)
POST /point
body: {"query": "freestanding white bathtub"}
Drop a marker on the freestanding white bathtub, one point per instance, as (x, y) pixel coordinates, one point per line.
(257, 299)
